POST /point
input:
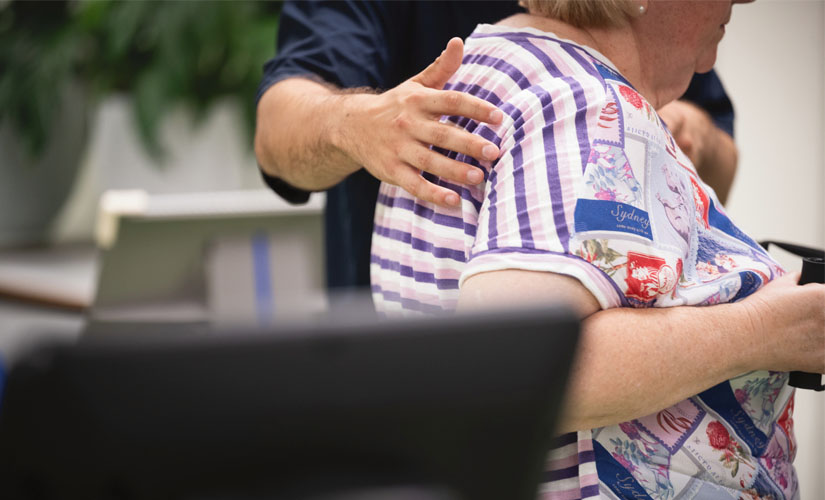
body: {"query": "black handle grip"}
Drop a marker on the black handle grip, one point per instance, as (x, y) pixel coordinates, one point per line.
(813, 271)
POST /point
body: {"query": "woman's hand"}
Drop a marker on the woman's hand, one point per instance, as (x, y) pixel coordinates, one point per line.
(390, 133)
(788, 321)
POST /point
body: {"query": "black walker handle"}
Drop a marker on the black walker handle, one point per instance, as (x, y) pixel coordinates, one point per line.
(813, 271)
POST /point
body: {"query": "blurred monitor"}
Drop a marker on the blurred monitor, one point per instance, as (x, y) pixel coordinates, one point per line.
(449, 408)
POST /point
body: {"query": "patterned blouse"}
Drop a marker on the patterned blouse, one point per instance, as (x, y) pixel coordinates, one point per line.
(591, 184)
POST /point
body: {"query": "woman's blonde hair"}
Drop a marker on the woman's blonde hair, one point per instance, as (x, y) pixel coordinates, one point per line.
(581, 13)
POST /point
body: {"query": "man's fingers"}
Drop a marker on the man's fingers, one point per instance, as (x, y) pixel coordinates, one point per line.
(454, 103)
(411, 181)
(685, 143)
(436, 74)
(451, 138)
(423, 158)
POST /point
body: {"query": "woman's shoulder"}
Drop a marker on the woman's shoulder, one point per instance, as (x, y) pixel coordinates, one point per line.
(537, 62)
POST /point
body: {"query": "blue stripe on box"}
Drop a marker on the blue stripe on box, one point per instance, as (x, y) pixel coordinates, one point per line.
(264, 305)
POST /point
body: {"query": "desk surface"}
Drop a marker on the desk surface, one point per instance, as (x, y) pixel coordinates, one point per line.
(63, 276)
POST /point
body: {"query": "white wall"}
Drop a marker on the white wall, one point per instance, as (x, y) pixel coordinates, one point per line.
(772, 63)
(213, 155)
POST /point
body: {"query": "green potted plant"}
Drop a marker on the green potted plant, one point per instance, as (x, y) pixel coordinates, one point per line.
(58, 59)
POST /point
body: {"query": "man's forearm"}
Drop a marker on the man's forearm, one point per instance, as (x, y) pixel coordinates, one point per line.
(312, 136)
(293, 137)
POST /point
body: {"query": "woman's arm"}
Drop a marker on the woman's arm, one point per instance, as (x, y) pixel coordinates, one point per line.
(634, 362)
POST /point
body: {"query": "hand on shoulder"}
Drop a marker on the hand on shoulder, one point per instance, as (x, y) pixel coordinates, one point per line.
(390, 133)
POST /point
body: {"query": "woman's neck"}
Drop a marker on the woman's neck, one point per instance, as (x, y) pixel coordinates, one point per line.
(620, 45)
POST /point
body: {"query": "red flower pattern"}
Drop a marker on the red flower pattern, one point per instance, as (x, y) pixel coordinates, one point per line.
(631, 96)
(718, 435)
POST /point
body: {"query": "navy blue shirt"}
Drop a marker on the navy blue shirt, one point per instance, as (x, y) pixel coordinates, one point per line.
(379, 44)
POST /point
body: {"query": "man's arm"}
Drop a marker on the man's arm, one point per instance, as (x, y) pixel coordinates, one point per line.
(711, 149)
(312, 135)
(634, 362)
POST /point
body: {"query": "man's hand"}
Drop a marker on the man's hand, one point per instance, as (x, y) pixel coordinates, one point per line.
(390, 133)
(690, 126)
(312, 136)
(711, 149)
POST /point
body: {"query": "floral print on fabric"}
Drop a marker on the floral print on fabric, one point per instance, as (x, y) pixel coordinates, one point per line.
(612, 179)
(732, 452)
(682, 250)
(636, 452)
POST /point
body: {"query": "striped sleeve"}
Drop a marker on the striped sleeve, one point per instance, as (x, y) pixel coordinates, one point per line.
(526, 219)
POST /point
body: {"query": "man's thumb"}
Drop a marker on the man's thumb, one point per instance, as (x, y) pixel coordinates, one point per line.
(437, 73)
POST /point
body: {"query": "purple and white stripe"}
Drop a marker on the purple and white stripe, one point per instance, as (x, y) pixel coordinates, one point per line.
(521, 217)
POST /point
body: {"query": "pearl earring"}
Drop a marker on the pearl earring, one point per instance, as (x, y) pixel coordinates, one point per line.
(642, 10)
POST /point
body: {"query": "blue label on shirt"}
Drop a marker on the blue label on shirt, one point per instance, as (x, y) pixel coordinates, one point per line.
(600, 215)
(616, 476)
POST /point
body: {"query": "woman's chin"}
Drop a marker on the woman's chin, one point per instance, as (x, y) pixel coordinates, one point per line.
(706, 61)
(704, 69)
(706, 65)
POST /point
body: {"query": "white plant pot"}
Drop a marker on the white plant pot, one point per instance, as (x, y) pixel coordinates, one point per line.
(210, 156)
(32, 191)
